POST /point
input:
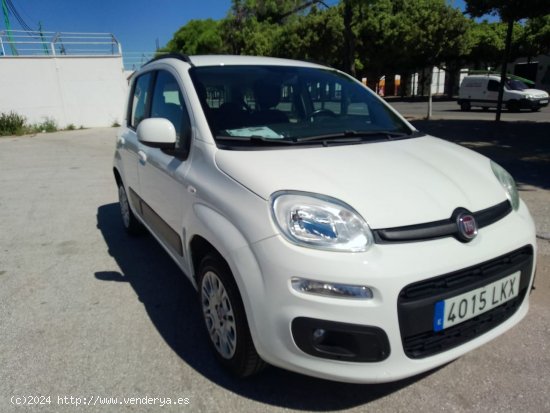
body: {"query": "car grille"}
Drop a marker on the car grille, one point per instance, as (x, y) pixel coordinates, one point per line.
(416, 304)
(440, 229)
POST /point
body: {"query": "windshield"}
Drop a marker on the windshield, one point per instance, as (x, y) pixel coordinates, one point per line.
(280, 104)
(513, 84)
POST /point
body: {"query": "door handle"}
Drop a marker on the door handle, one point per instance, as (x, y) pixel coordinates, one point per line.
(142, 157)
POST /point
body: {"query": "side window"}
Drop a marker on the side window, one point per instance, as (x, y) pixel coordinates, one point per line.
(493, 86)
(139, 99)
(168, 103)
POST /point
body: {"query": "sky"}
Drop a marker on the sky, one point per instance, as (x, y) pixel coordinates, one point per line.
(137, 24)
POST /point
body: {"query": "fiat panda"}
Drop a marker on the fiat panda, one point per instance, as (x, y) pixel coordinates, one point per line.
(324, 233)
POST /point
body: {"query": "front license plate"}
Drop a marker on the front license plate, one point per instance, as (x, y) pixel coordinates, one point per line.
(544, 102)
(458, 309)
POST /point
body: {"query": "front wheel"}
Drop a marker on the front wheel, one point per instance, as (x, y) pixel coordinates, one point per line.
(225, 318)
(513, 106)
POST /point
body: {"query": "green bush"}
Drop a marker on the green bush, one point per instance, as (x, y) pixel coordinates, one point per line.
(14, 124)
(11, 124)
(48, 125)
(70, 126)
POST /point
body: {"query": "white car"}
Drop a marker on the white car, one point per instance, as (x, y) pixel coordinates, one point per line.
(323, 232)
(482, 91)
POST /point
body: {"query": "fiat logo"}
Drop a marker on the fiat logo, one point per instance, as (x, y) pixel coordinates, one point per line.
(467, 226)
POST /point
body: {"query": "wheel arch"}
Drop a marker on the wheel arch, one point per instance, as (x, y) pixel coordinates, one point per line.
(199, 247)
(118, 178)
(214, 233)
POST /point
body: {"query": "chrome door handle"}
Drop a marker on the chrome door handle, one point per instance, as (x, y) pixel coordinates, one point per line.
(142, 157)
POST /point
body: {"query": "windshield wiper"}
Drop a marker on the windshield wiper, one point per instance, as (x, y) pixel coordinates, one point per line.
(256, 139)
(359, 136)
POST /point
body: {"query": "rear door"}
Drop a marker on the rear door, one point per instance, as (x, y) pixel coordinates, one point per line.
(128, 145)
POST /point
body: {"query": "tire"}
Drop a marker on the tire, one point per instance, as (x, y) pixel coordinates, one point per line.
(512, 106)
(129, 221)
(225, 319)
(465, 106)
(535, 108)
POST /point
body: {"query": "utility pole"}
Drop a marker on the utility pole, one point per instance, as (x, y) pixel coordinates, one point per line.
(503, 70)
(46, 50)
(8, 28)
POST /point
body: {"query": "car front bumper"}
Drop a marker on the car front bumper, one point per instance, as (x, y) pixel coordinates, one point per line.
(534, 103)
(273, 306)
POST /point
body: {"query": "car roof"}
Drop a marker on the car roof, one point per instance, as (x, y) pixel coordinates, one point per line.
(233, 60)
(217, 60)
(487, 76)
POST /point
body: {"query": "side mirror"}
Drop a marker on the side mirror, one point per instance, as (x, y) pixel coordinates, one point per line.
(157, 132)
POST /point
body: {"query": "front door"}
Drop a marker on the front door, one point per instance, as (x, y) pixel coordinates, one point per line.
(162, 183)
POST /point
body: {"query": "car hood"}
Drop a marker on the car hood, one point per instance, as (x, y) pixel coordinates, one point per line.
(535, 92)
(395, 183)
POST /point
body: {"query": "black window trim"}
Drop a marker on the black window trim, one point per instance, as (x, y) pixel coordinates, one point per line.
(180, 153)
(147, 111)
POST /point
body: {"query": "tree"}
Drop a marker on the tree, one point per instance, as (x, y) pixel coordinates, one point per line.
(317, 36)
(509, 12)
(197, 37)
(437, 36)
(536, 37)
(253, 26)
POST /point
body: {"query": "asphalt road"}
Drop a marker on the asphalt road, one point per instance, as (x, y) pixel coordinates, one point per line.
(88, 313)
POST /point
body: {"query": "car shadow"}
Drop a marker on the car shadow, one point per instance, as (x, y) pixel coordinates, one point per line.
(171, 303)
(521, 147)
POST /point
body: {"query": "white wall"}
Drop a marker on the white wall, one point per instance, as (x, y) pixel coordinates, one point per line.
(438, 82)
(83, 91)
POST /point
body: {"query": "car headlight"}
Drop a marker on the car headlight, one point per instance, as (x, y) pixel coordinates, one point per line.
(318, 221)
(507, 183)
(530, 96)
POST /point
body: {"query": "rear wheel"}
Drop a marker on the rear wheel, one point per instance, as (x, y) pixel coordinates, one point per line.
(465, 106)
(129, 220)
(225, 318)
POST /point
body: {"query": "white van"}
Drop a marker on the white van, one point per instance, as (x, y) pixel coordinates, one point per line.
(482, 91)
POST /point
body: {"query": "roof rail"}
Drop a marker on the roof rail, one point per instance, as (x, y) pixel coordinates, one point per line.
(179, 56)
(508, 75)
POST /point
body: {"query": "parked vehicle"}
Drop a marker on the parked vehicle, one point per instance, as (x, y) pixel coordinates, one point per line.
(323, 232)
(482, 91)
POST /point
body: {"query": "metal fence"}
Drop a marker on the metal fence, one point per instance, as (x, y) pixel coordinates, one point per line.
(134, 60)
(39, 43)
